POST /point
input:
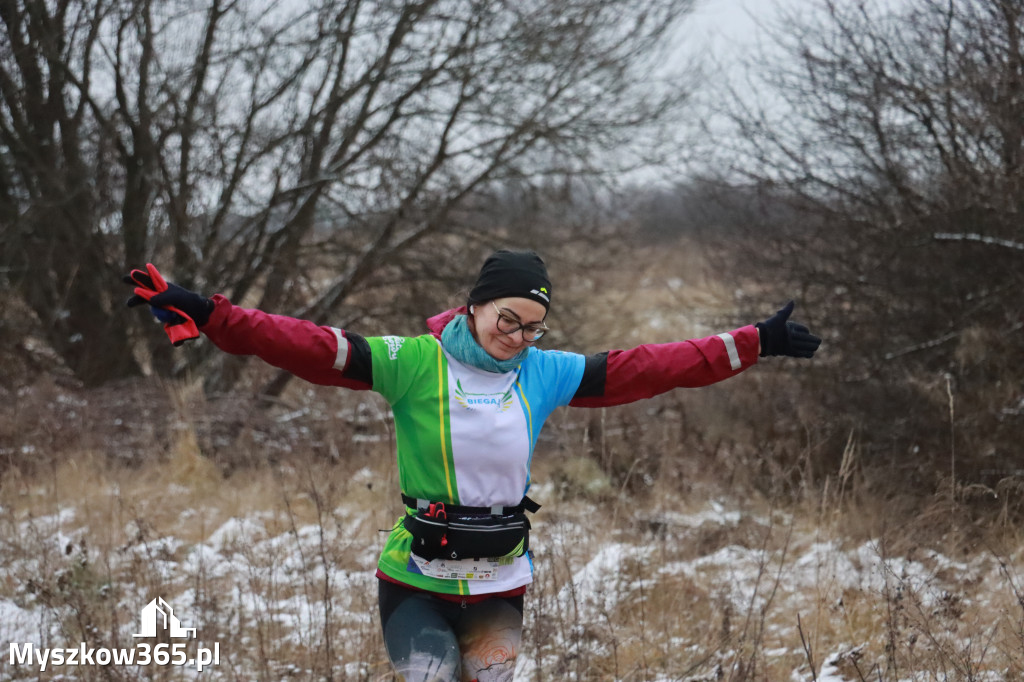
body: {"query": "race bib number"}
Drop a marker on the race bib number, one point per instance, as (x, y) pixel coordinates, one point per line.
(460, 569)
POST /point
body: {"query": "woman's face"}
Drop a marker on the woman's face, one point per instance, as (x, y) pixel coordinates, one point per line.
(483, 322)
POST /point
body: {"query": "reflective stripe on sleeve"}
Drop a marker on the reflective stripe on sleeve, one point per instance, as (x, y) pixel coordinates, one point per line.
(342, 357)
(730, 348)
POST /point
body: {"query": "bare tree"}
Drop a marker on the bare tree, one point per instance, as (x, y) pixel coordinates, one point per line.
(895, 131)
(250, 147)
(53, 183)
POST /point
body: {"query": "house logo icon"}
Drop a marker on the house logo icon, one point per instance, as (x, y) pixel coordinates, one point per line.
(158, 615)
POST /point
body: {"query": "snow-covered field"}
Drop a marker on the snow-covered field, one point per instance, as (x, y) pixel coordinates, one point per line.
(716, 591)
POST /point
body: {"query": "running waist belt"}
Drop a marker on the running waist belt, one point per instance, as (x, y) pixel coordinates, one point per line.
(455, 532)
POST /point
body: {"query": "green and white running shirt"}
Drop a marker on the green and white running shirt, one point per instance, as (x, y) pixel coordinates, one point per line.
(466, 437)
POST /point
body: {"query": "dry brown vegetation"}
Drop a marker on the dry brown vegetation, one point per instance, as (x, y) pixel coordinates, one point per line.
(852, 518)
(702, 535)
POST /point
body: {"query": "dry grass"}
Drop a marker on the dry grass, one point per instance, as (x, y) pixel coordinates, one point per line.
(660, 295)
(703, 535)
(271, 564)
(276, 565)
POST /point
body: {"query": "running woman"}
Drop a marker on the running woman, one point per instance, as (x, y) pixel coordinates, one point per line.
(469, 400)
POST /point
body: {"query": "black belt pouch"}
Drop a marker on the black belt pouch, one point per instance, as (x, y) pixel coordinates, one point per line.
(465, 536)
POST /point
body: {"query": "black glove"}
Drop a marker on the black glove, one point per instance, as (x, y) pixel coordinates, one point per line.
(182, 311)
(779, 336)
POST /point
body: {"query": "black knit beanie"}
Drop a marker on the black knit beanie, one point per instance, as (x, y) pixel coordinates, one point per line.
(519, 274)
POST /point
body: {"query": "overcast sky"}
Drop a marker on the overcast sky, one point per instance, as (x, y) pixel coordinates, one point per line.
(729, 19)
(719, 34)
(726, 30)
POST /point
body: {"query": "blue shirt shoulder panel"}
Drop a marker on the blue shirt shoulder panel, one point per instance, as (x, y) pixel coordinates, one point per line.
(550, 378)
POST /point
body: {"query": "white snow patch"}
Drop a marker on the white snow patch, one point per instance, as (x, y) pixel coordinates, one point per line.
(245, 530)
(598, 586)
(18, 624)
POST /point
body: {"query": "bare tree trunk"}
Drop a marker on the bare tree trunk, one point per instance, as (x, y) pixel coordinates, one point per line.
(59, 259)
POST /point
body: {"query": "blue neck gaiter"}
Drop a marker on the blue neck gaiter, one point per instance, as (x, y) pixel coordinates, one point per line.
(458, 340)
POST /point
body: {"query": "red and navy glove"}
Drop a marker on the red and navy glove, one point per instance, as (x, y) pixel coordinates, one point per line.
(182, 311)
(779, 336)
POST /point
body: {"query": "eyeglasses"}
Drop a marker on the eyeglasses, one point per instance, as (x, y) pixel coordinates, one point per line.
(509, 325)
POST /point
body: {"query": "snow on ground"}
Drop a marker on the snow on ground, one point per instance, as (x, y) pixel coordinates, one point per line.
(17, 624)
(267, 584)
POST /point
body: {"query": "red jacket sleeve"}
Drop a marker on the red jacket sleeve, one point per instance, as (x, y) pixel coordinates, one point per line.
(652, 369)
(314, 353)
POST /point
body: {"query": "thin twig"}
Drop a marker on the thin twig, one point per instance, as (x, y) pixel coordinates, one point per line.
(975, 237)
(952, 450)
(807, 649)
(922, 346)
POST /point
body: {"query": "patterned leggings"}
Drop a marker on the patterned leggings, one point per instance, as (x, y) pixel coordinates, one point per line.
(434, 640)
